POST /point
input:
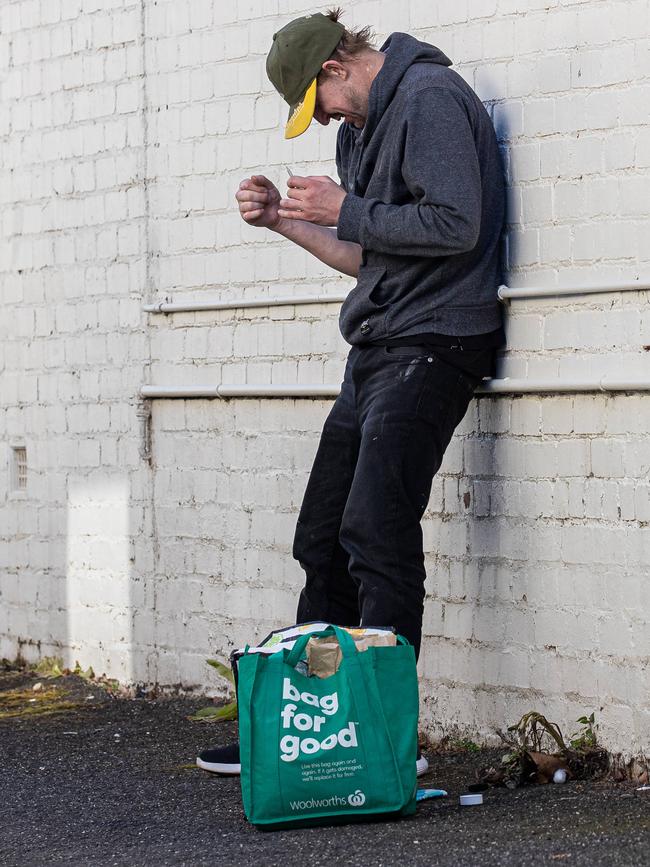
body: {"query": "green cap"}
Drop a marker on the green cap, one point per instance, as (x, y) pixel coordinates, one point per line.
(294, 61)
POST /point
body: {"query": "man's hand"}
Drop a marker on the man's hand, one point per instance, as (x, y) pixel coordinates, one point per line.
(316, 199)
(258, 202)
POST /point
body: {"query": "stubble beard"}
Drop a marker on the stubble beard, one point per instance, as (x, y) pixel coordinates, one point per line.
(358, 106)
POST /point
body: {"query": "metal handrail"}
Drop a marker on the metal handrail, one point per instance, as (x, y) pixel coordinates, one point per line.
(506, 385)
(504, 293)
(507, 293)
(242, 303)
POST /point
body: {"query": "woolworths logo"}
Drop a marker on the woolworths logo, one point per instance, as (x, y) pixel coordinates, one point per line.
(356, 799)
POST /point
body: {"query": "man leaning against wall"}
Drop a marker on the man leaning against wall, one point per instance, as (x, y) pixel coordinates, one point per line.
(416, 219)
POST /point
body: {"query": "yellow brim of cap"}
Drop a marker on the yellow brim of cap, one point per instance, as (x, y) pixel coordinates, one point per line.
(301, 116)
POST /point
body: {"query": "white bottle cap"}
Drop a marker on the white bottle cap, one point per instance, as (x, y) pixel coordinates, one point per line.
(471, 800)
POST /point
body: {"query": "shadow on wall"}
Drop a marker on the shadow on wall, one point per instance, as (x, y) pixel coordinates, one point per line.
(503, 123)
(480, 452)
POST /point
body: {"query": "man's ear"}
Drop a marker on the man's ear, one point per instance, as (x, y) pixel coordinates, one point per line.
(335, 69)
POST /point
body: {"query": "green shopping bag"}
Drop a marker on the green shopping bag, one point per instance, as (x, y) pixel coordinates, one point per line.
(320, 750)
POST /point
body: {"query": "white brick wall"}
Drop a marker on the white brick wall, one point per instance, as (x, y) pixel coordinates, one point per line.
(125, 128)
(74, 344)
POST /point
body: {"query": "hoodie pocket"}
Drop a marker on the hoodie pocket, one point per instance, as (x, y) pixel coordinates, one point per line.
(362, 317)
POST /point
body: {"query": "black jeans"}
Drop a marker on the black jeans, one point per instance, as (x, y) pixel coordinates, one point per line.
(358, 536)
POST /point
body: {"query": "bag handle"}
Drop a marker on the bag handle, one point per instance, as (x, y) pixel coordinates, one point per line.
(369, 705)
(345, 640)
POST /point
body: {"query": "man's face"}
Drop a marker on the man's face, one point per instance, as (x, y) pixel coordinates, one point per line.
(340, 99)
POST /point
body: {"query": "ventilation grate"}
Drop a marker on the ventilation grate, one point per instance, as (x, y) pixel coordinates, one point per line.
(19, 469)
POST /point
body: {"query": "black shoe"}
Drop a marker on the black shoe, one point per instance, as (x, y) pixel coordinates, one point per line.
(225, 760)
(221, 760)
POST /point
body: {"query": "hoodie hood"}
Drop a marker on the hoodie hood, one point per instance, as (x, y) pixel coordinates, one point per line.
(401, 51)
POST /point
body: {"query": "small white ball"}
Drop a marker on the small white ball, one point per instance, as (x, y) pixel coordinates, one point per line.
(559, 776)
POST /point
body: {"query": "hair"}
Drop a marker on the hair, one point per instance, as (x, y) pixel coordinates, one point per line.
(353, 42)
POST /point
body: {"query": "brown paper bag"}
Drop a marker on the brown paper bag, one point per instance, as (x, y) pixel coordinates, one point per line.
(324, 654)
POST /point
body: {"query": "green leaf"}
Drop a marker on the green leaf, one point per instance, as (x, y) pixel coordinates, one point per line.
(216, 714)
(223, 670)
(88, 674)
(50, 666)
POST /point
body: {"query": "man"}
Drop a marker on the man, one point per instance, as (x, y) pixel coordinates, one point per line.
(418, 217)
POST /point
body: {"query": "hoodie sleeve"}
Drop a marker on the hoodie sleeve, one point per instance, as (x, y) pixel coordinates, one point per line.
(440, 168)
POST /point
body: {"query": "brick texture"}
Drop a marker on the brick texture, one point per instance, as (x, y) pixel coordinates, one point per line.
(125, 128)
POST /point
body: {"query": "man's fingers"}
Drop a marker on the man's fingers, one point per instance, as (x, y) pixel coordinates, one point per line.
(247, 207)
(262, 181)
(254, 188)
(251, 215)
(293, 194)
(298, 181)
(290, 204)
(290, 215)
(251, 196)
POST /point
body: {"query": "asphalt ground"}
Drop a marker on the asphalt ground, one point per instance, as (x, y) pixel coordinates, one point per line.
(111, 781)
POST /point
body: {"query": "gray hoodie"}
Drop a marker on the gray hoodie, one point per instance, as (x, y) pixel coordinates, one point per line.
(425, 202)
